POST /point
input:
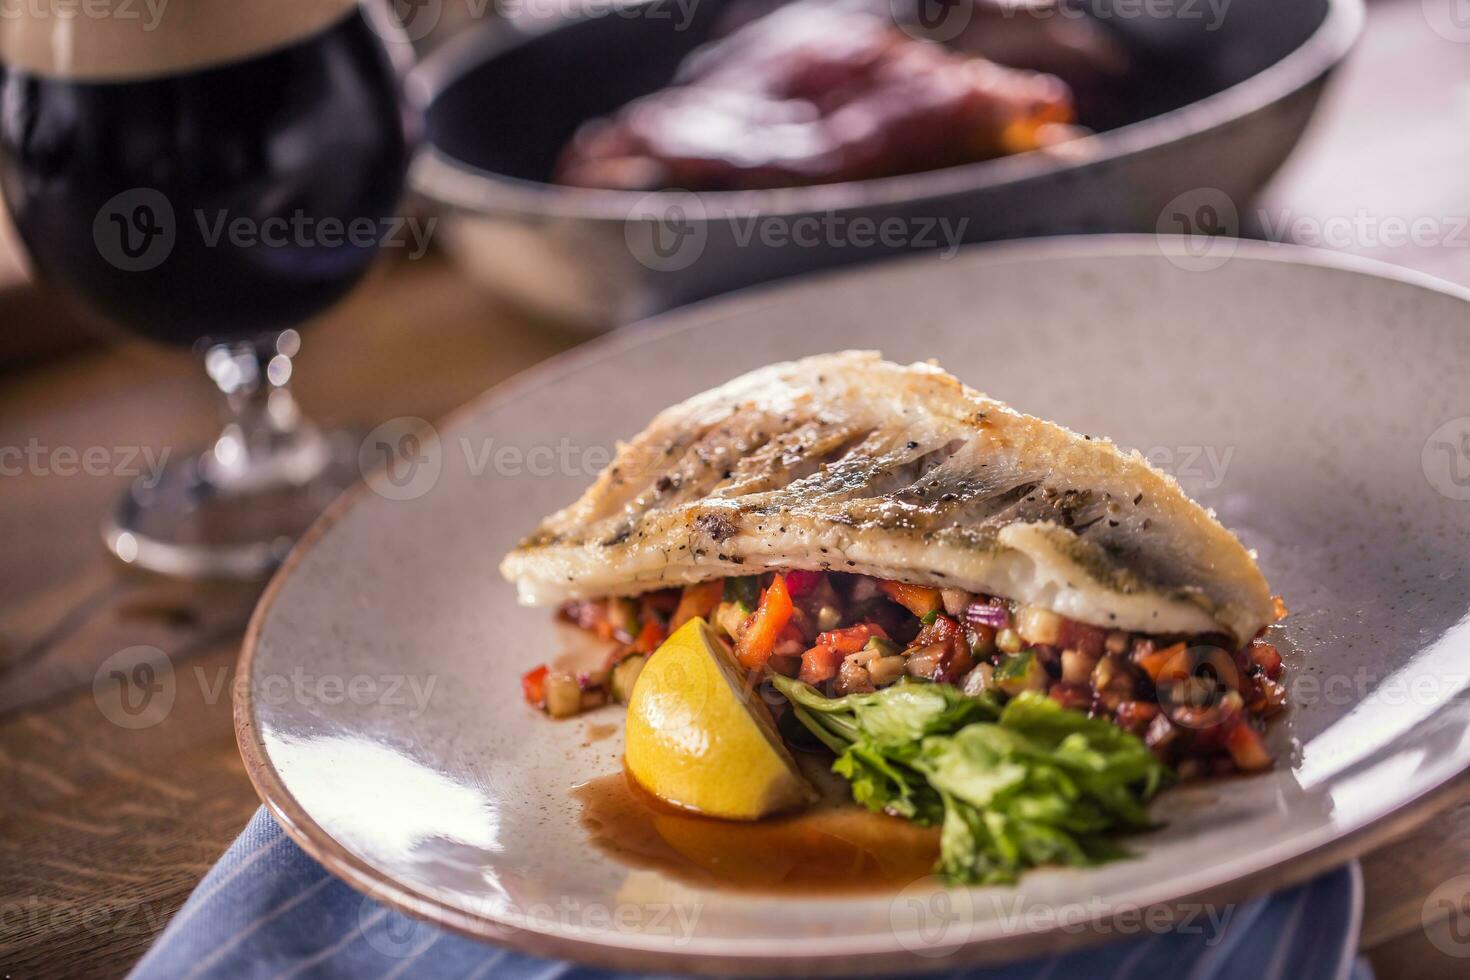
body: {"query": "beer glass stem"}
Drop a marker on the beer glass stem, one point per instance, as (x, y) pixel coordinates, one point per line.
(266, 441)
(233, 510)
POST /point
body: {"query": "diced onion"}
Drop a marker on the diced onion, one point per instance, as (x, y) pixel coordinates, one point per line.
(1037, 625)
(988, 614)
(955, 601)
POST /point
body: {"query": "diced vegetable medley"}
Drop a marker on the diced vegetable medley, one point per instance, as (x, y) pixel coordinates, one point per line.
(1196, 701)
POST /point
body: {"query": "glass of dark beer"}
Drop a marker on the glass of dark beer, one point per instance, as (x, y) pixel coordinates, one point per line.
(210, 175)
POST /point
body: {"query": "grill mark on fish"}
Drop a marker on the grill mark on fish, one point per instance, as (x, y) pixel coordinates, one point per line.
(717, 526)
(797, 455)
(995, 508)
(702, 466)
(926, 473)
(872, 468)
(623, 534)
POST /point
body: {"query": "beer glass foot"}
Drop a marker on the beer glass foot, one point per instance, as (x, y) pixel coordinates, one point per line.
(234, 510)
(185, 526)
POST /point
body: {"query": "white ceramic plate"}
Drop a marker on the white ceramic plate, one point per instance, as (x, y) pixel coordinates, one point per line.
(1319, 405)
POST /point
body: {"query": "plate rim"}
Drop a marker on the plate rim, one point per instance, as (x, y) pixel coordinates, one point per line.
(313, 839)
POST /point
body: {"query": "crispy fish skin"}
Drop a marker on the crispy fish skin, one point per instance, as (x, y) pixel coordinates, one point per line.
(850, 463)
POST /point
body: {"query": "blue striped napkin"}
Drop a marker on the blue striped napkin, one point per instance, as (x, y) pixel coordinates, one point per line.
(267, 910)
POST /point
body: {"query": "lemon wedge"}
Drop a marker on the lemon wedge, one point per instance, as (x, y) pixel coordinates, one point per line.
(700, 739)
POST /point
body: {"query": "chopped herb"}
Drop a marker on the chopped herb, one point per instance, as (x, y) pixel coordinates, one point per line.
(744, 589)
(1015, 666)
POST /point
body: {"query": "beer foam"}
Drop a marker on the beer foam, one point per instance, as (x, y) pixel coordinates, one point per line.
(119, 40)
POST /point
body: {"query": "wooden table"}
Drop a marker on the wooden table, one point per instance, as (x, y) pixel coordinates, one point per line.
(106, 830)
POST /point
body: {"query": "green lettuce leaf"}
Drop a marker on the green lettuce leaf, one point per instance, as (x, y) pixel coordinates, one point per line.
(1012, 787)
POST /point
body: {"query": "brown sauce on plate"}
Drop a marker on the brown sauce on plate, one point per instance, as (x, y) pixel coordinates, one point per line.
(834, 847)
(597, 732)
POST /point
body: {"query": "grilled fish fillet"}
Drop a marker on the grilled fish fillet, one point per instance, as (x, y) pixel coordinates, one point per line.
(851, 463)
